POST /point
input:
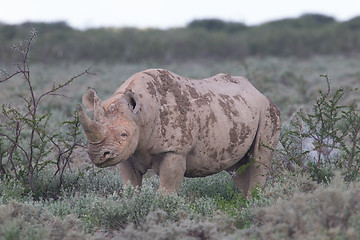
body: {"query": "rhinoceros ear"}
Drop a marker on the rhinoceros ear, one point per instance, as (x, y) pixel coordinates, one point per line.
(132, 101)
(90, 99)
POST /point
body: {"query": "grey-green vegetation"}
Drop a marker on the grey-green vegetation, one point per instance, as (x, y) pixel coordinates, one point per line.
(313, 187)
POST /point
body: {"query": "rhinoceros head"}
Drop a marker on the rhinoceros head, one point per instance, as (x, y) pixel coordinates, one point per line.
(113, 135)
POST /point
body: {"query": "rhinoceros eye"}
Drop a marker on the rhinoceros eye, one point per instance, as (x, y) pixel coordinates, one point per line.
(124, 136)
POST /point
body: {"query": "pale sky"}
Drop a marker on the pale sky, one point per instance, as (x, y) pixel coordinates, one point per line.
(167, 13)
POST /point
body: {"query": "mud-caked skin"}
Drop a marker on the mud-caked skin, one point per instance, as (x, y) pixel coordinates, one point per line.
(182, 127)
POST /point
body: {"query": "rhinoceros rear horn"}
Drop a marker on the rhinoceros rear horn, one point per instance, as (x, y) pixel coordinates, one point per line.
(94, 131)
(93, 103)
(88, 99)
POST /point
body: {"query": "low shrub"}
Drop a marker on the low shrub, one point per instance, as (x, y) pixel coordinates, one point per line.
(284, 187)
(330, 212)
(156, 227)
(99, 199)
(127, 205)
(28, 222)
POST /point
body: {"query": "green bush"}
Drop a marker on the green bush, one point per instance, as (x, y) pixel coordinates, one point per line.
(328, 128)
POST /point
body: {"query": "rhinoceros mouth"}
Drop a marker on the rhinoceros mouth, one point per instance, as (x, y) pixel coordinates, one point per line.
(106, 163)
(110, 160)
(102, 165)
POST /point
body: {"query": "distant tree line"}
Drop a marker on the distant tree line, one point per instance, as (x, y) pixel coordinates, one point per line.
(307, 35)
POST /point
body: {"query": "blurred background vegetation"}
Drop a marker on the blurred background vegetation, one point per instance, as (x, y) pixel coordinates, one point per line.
(305, 36)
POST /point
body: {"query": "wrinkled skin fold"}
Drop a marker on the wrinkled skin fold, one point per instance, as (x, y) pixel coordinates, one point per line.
(182, 127)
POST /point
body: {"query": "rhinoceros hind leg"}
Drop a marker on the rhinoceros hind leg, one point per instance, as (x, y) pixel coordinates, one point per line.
(251, 170)
(241, 175)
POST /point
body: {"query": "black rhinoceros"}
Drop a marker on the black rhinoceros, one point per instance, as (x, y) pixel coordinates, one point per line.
(182, 127)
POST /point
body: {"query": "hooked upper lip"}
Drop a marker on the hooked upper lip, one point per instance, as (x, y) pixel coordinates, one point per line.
(107, 160)
(104, 163)
(100, 165)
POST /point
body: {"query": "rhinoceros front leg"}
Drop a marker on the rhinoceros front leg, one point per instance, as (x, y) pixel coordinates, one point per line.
(171, 170)
(129, 173)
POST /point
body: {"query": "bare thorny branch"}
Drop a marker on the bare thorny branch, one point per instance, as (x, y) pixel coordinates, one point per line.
(22, 68)
(54, 90)
(17, 120)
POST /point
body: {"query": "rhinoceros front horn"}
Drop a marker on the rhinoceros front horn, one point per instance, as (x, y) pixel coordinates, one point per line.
(94, 131)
